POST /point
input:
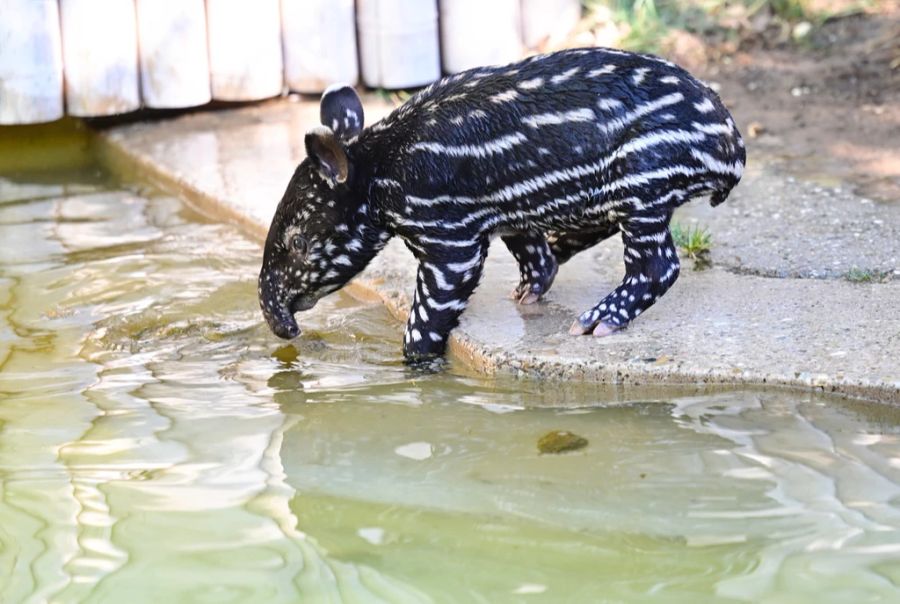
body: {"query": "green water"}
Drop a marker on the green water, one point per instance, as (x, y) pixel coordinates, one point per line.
(157, 444)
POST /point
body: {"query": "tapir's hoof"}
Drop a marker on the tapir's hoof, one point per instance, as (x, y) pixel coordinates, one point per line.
(529, 298)
(529, 292)
(605, 329)
(599, 329)
(578, 329)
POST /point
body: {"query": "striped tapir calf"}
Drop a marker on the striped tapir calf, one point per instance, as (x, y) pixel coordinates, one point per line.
(553, 154)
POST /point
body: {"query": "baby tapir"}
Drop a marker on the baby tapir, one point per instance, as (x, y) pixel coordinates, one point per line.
(553, 154)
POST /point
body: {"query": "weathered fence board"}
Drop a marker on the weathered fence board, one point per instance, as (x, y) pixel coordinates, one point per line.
(244, 49)
(398, 42)
(173, 54)
(548, 21)
(319, 38)
(475, 33)
(100, 56)
(31, 88)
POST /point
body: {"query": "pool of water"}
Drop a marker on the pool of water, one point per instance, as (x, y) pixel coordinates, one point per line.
(157, 444)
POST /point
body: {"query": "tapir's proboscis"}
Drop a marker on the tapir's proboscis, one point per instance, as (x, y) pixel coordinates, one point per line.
(553, 154)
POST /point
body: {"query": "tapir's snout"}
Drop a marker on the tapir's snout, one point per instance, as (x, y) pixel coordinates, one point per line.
(286, 330)
(279, 305)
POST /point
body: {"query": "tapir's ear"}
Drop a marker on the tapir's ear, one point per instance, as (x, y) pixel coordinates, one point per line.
(328, 154)
(342, 111)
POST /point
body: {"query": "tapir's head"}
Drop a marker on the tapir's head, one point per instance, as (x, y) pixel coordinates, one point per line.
(323, 232)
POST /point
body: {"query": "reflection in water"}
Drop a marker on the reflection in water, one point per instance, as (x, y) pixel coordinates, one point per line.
(157, 444)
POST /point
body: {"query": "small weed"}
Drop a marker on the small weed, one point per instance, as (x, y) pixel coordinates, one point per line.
(859, 275)
(789, 10)
(394, 97)
(695, 242)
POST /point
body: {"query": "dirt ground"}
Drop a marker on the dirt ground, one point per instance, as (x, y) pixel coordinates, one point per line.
(826, 109)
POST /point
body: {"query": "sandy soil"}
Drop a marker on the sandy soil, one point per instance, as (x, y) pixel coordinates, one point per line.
(826, 109)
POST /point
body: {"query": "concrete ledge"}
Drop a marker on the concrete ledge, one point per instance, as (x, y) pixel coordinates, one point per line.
(720, 326)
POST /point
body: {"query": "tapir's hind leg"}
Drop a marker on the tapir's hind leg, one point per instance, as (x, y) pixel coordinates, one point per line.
(539, 257)
(537, 265)
(651, 267)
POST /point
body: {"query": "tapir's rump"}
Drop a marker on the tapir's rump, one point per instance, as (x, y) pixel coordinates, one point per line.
(554, 154)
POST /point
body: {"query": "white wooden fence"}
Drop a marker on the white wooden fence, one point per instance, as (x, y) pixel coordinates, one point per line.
(93, 58)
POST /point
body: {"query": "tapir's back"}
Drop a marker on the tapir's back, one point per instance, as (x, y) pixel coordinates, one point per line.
(535, 143)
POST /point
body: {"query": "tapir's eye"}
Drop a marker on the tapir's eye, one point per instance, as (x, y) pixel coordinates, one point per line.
(299, 244)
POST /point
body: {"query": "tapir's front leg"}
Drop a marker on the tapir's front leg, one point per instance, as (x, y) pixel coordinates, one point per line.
(442, 289)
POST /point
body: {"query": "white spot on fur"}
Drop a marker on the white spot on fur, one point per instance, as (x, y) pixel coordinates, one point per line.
(583, 114)
(499, 145)
(610, 104)
(602, 71)
(505, 97)
(640, 111)
(705, 106)
(559, 79)
(639, 75)
(531, 84)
